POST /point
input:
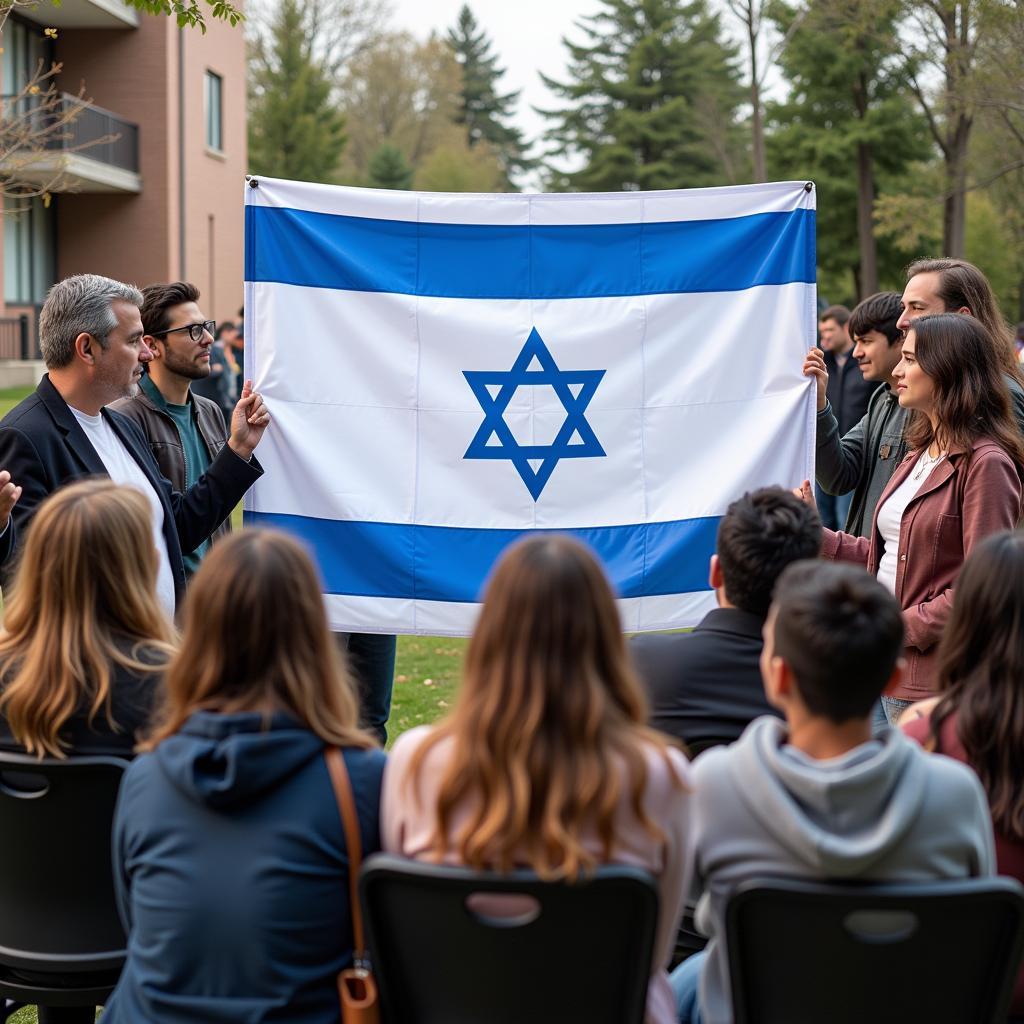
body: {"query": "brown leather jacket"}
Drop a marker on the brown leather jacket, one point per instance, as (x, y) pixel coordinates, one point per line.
(165, 444)
(968, 496)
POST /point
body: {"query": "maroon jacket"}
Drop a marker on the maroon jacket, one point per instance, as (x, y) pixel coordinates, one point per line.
(966, 497)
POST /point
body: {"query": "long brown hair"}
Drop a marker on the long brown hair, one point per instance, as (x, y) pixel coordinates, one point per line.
(963, 286)
(255, 638)
(971, 396)
(981, 672)
(83, 601)
(548, 729)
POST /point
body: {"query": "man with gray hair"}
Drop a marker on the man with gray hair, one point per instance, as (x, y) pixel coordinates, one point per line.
(91, 337)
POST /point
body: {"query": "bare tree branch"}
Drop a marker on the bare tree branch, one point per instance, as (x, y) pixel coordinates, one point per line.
(37, 137)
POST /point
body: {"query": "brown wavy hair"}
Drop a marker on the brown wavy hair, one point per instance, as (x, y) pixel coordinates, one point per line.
(255, 638)
(963, 286)
(971, 397)
(83, 602)
(981, 668)
(548, 729)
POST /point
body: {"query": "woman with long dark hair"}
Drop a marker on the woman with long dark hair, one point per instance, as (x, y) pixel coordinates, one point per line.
(960, 483)
(229, 852)
(545, 761)
(978, 717)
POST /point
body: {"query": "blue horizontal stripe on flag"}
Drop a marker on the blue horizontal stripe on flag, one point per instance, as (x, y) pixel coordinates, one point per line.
(441, 563)
(481, 261)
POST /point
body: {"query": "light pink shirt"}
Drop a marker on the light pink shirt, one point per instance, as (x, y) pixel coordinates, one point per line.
(408, 823)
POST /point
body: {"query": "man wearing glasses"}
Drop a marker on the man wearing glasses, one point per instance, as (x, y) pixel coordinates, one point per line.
(185, 431)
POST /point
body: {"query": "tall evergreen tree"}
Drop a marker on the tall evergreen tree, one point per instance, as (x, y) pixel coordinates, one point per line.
(482, 108)
(652, 99)
(849, 123)
(295, 129)
(389, 168)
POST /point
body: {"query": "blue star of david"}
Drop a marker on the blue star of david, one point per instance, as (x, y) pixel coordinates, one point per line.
(575, 425)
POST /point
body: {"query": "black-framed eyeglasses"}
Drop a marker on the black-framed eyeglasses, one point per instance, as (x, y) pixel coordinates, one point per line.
(195, 331)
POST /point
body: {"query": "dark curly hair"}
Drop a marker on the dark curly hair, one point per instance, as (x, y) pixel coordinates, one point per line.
(760, 534)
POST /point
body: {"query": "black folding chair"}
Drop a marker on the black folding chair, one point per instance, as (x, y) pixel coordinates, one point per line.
(942, 952)
(573, 952)
(61, 940)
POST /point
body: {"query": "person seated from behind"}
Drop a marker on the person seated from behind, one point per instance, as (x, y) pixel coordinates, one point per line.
(978, 717)
(230, 861)
(817, 796)
(84, 641)
(705, 687)
(545, 761)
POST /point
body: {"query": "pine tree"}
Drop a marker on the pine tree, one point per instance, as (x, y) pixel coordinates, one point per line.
(389, 168)
(849, 123)
(295, 129)
(484, 110)
(652, 100)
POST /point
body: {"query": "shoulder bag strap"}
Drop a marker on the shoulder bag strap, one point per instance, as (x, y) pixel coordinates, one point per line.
(350, 823)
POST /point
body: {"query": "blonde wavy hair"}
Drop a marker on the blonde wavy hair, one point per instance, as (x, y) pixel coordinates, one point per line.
(83, 601)
(548, 730)
(255, 638)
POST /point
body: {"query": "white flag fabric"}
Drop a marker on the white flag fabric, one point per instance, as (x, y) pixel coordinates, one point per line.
(447, 373)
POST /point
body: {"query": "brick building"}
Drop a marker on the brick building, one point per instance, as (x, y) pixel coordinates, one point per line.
(162, 200)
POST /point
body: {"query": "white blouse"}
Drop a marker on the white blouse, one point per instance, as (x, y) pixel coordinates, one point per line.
(890, 516)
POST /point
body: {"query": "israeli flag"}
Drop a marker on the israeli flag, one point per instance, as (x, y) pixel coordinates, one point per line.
(447, 373)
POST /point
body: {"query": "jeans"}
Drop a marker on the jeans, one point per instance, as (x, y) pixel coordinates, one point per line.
(879, 720)
(371, 658)
(685, 982)
(894, 707)
(833, 509)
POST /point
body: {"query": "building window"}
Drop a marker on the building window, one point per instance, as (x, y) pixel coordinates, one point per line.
(30, 263)
(214, 98)
(26, 51)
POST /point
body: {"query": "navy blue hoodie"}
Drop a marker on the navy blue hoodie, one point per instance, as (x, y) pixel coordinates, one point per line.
(232, 874)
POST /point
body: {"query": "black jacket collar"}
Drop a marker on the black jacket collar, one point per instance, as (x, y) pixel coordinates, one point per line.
(732, 620)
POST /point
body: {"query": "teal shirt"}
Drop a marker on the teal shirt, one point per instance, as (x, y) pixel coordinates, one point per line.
(197, 461)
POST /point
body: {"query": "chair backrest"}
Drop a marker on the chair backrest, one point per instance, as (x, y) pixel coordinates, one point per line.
(443, 954)
(941, 952)
(57, 905)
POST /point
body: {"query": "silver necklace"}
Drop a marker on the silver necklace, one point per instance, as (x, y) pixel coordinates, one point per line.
(926, 463)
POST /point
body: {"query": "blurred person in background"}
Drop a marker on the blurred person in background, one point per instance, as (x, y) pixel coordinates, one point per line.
(219, 387)
(848, 393)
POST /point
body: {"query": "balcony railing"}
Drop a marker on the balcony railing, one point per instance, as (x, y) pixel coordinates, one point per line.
(89, 131)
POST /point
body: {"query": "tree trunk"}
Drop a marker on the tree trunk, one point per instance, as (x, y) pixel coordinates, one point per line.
(954, 221)
(866, 221)
(757, 117)
(757, 126)
(868, 276)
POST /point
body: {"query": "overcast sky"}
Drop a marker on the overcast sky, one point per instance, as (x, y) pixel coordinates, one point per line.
(527, 36)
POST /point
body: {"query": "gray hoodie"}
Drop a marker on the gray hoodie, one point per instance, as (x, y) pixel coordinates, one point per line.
(884, 811)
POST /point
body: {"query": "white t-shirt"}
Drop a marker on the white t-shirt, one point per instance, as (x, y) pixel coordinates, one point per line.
(890, 518)
(123, 469)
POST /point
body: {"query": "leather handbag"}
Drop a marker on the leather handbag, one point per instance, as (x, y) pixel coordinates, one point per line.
(357, 988)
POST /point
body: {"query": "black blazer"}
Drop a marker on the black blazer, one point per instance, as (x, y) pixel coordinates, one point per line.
(43, 447)
(705, 685)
